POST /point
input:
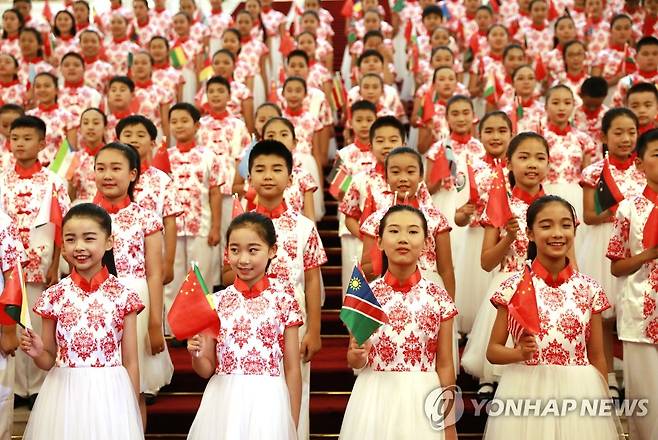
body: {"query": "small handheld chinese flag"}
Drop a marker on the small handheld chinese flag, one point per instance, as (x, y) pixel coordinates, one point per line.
(361, 312)
(161, 158)
(287, 44)
(237, 207)
(193, 310)
(498, 209)
(14, 307)
(523, 315)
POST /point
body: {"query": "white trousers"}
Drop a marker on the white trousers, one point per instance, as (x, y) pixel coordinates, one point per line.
(6, 396)
(641, 379)
(29, 377)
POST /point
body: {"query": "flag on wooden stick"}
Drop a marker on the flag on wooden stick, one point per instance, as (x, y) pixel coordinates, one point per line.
(361, 312)
(523, 315)
(14, 307)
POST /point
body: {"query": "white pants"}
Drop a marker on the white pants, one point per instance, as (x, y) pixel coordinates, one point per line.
(6, 396)
(303, 430)
(29, 377)
(641, 379)
(190, 249)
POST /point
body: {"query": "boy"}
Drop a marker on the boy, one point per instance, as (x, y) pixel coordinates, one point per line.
(589, 115)
(356, 158)
(119, 47)
(38, 23)
(299, 251)
(8, 114)
(154, 190)
(633, 252)
(647, 64)
(642, 99)
(198, 174)
(97, 71)
(120, 103)
(116, 8)
(27, 191)
(154, 101)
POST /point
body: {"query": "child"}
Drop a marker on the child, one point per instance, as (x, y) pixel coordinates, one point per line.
(199, 174)
(121, 102)
(198, 29)
(137, 237)
(263, 114)
(89, 320)
(12, 22)
(418, 310)
(564, 31)
(432, 124)
(24, 189)
(632, 252)
(588, 116)
(245, 399)
(647, 65)
(164, 75)
(597, 31)
(97, 71)
(64, 32)
(12, 91)
(575, 68)
(154, 190)
(612, 63)
(642, 99)
(119, 46)
(531, 110)
(11, 254)
(253, 52)
(619, 135)
(538, 37)
(82, 186)
(116, 8)
(75, 96)
(8, 114)
(143, 26)
(192, 48)
(31, 55)
(33, 21)
(490, 60)
(154, 102)
(299, 253)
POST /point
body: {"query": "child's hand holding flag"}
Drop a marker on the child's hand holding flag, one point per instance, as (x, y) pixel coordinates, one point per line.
(361, 312)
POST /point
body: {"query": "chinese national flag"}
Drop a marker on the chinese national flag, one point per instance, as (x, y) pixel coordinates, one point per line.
(523, 315)
(56, 216)
(13, 301)
(161, 159)
(237, 207)
(287, 44)
(346, 10)
(271, 96)
(428, 106)
(498, 209)
(47, 12)
(441, 167)
(650, 232)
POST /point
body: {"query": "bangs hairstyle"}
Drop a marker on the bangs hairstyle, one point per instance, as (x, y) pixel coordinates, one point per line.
(511, 47)
(14, 61)
(284, 121)
(272, 105)
(226, 52)
(75, 55)
(21, 21)
(297, 53)
(646, 41)
(388, 121)
(459, 98)
(405, 150)
(159, 37)
(271, 147)
(384, 221)
(643, 87)
(186, 107)
(12, 108)
(37, 36)
(295, 78)
(102, 218)
(369, 53)
(495, 114)
(610, 116)
(126, 81)
(535, 208)
(516, 142)
(644, 140)
(218, 80)
(97, 110)
(363, 105)
(132, 120)
(56, 30)
(260, 224)
(134, 163)
(30, 122)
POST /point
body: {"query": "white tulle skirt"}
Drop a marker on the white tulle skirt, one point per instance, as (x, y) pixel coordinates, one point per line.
(244, 407)
(387, 405)
(446, 201)
(472, 281)
(154, 371)
(474, 358)
(84, 404)
(544, 382)
(309, 164)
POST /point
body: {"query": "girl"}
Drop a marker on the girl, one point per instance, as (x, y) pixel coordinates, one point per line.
(253, 52)
(524, 107)
(513, 58)
(538, 36)
(89, 320)
(154, 102)
(485, 63)
(31, 52)
(620, 128)
(119, 46)
(193, 50)
(384, 401)
(82, 185)
(247, 399)
(300, 194)
(137, 236)
(12, 91)
(75, 96)
(575, 68)
(12, 23)
(504, 249)
(564, 31)
(61, 123)
(243, 71)
(432, 125)
(199, 30)
(324, 50)
(264, 113)
(566, 357)
(611, 63)
(164, 75)
(144, 28)
(64, 30)
(597, 31)
(218, 21)
(495, 134)
(97, 71)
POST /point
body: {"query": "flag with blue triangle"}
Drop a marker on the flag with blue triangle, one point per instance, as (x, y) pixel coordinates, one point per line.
(361, 312)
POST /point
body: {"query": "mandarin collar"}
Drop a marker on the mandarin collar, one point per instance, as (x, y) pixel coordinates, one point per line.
(93, 284)
(185, 147)
(27, 173)
(274, 213)
(253, 291)
(461, 138)
(622, 165)
(525, 196)
(545, 275)
(110, 207)
(363, 147)
(404, 286)
(559, 131)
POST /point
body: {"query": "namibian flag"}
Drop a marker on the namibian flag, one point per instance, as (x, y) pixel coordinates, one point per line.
(607, 193)
(361, 312)
(14, 307)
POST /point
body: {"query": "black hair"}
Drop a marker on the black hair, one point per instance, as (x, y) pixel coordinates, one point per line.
(313, 13)
(56, 31)
(217, 79)
(75, 55)
(373, 75)
(235, 32)
(372, 34)
(292, 79)
(226, 52)
(388, 121)
(594, 87)
(21, 21)
(187, 16)
(12, 108)
(99, 215)
(284, 121)
(30, 122)
(382, 226)
(614, 113)
(369, 53)
(555, 25)
(553, 89)
(261, 23)
(298, 53)
(459, 98)
(133, 120)
(440, 68)
(618, 17)
(13, 58)
(495, 26)
(160, 37)
(145, 52)
(518, 69)
(485, 8)
(646, 41)
(274, 106)
(516, 142)
(37, 35)
(446, 48)
(405, 150)
(363, 105)
(260, 224)
(122, 80)
(536, 1)
(495, 114)
(511, 47)
(535, 208)
(48, 75)
(91, 32)
(95, 109)
(642, 87)
(270, 147)
(301, 34)
(432, 10)
(644, 140)
(134, 163)
(186, 107)
(566, 47)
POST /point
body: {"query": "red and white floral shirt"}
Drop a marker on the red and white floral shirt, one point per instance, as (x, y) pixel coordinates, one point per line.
(156, 191)
(32, 68)
(306, 125)
(390, 101)
(117, 52)
(11, 248)
(168, 79)
(315, 102)
(151, 99)
(59, 121)
(590, 122)
(13, 92)
(218, 23)
(627, 82)
(463, 147)
(77, 99)
(239, 93)
(272, 20)
(565, 306)
(11, 46)
(533, 112)
(253, 322)
(539, 39)
(611, 61)
(89, 315)
(223, 134)
(597, 35)
(83, 179)
(163, 20)
(415, 309)
(98, 73)
(251, 53)
(568, 149)
(106, 17)
(64, 46)
(148, 30)
(367, 187)
(628, 178)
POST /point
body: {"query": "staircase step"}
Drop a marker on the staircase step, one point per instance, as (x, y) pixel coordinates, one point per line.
(329, 222)
(327, 410)
(173, 413)
(331, 275)
(333, 256)
(333, 297)
(331, 323)
(329, 238)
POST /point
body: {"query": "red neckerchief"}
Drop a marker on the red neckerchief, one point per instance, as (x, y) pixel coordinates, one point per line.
(12, 37)
(525, 196)
(508, 78)
(266, 9)
(90, 150)
(525, 103)
(538, 27)
(93, 284)
(160, 10)
(644, 128)
(622, 165)
(115, 7)
(461, 138)
(120, 40)
(253, 291)
(275, 213)
(246, 39)
(110, 207)
(120, 114)
(90, 60)
(617, 47)
(82, 26)
(648, 75)
(404, 286)
(33, 60)
(410, 201)
(66, 37)
(143, 23)
(470, 15)
(161, 66)
(27, 19)
(185, 147)
(651, 195)
(181, 40)
(496, 56)
(576, 78)
(218, 116)
(542, 273)
(27, 173)
(216, 11)
(74, 85)
(591, 114)
(144, 165)
(13, 82)
(363, 147)
(559, 131)
(594, 21)
(294, 113)
(491, 160)
(47, 107)
(579, 9)
(143, 84)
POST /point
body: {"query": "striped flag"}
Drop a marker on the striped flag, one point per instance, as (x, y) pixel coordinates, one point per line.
(339, 93)
(50, 212)
(207, 72)
(427, 110)
(361, 312)
(523, 315)
(65, 162)
(339, 178)
(607, 193)
(14, 307)
(490, 87)
(178, 57)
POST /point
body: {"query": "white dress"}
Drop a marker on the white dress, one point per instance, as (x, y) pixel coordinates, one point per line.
(247, 397)
(88, 389)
